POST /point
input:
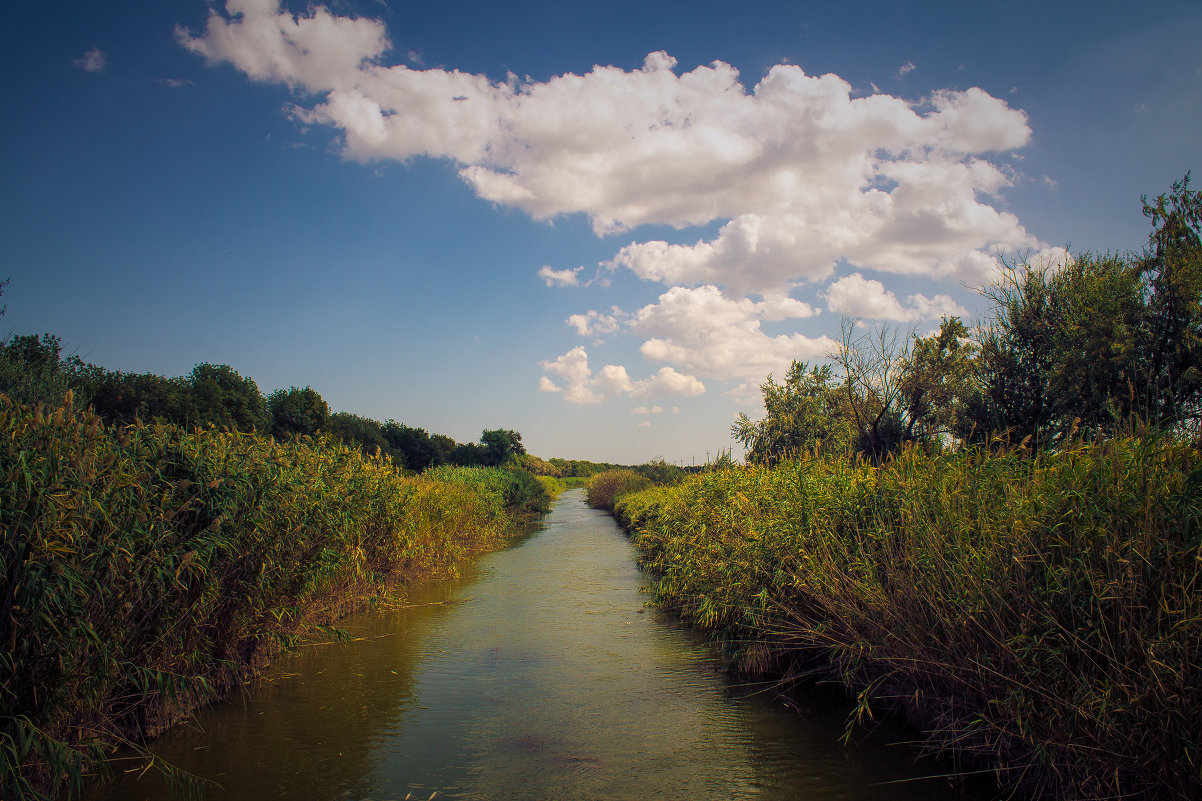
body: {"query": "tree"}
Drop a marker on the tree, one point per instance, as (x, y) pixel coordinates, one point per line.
(937, 383)
(873, 366)
(363, 432)
(33, 370)
(805, 413)
(296, 411)
(222, 398)
(121, 398)
(413, 447)
(1172, 332)
(500, 445)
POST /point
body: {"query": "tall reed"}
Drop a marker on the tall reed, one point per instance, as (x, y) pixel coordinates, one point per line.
(1042, 617)
(145, 569)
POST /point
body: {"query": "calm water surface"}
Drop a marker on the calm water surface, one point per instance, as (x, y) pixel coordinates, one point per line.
(541, 675)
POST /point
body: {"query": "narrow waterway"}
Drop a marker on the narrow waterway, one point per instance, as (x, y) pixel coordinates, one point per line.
(540, 675)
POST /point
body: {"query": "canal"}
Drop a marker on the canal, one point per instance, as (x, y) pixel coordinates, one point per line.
(539, 675)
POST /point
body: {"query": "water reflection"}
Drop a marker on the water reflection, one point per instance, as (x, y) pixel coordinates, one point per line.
(539, 676)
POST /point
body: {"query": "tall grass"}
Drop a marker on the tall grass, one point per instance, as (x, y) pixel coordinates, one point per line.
(1042, 617)
(145, 569)
(604, 488)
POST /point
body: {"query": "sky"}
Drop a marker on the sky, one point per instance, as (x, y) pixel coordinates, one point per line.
(600, 225)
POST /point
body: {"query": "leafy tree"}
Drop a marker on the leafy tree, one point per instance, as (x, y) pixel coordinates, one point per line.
(802, 414)
(220, 397)
(1172, 332)
(121, 398)
(937, 384)
(500, 445)
(296, 411)
(33, 370)
(355, 430)
(413, 447)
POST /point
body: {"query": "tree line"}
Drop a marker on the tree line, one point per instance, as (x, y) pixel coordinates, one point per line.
(35, 370)
(1079, 348)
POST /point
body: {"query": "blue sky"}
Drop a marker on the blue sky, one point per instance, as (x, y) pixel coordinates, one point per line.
(564, 219)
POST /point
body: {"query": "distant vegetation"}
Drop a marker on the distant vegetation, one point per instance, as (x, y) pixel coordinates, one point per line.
(996, 533)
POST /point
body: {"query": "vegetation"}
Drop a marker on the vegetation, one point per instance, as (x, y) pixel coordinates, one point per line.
(147, 567)
(1038, 616)
(1085, 346)
(994, 533)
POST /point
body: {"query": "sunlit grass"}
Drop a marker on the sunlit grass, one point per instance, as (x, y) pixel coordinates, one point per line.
(146, 569)
(1042, 616)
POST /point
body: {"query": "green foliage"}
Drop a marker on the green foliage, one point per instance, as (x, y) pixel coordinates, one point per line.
(33, 369)
(222, 398)
(803, 415)
(937, 384)
(604, 489)
(124, 398)
(296, 412)
(501, 445)
(1040, 614)
(518, 492)
(147, 568)
(363, 432)
(1172, 330)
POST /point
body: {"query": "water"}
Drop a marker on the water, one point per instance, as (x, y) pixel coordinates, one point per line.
(541, 675)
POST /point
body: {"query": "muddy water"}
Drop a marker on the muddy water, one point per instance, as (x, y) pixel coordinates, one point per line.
(541, 675)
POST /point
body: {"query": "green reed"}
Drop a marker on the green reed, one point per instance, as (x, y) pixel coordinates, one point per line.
(147, 569)
(1042, 617)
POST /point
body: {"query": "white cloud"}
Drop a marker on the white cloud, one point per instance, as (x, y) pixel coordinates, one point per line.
(799, 174)
(560, 277)
(644, 424)
(176, 83)
(856, 296)
(92, 61)
(612, 380)
(906, 69)
(595, 324)
(647, 410)
(707, 333)
(805, 173)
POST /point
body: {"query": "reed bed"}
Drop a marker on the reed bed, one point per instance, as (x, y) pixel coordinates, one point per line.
(1041, 617)
(146, 569)
(606, 487)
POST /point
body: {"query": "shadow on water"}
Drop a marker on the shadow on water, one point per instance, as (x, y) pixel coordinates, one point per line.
(539, 675)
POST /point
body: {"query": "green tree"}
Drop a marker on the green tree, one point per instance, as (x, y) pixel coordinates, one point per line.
(296, 411)
(937, 384)
(220, 397)
(500, 445)
(33, 370)
(804, 413)
(121, 398)
(1172, 333)
(364, 432)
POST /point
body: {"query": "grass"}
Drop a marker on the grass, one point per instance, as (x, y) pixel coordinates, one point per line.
(147, 569)
(1041, 617)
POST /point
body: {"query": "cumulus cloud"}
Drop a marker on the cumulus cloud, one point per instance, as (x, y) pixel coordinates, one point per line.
(92, 61)
(581, 385)
(856, 296)
(798, 174)
(647, 410)
(804, 173)
(560, 277)
(705, 332)
(596, 324)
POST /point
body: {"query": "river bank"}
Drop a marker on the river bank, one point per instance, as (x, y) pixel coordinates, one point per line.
(149, 569)
(1034, 617)
(540, 674)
